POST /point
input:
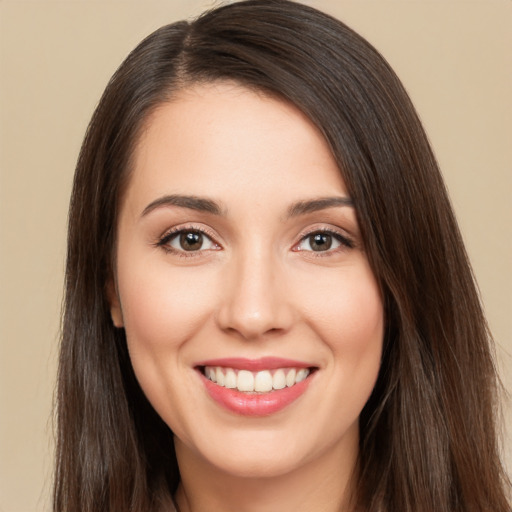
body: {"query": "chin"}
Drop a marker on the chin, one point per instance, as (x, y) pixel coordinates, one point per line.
(257, 465)
(256, 454)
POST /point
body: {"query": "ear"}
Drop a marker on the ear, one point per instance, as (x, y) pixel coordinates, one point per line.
(116, 312)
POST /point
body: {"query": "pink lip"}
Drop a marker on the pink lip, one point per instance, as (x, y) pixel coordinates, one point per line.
(254, 404)
(254, 365)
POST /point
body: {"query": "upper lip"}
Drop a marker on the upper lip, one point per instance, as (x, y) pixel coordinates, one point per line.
(254, 365)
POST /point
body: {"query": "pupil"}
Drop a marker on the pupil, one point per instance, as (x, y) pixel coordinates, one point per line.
(321, 242)
(191, 241)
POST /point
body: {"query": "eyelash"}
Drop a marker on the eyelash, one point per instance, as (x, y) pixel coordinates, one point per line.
(163, 242)
(346, 242)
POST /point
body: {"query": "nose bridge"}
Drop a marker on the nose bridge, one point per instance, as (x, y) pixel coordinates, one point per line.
(254, 302)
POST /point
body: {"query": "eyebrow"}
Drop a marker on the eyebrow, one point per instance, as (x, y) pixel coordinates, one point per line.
(201, 204)
(322, 203)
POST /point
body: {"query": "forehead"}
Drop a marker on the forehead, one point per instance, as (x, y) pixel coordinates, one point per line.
(222, 139)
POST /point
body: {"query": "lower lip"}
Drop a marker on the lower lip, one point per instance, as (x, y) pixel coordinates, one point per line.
(255, 404)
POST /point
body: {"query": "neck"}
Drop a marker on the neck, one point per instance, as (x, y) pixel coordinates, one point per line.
(325, 483)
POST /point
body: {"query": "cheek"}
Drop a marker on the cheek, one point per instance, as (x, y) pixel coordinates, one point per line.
(360, 320)
(360, 333)
(163, 309)
(346, 312)
(346, 308)
(351, 324)
(162, 306)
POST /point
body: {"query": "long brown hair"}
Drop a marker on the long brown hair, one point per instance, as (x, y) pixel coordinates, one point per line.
(428, 433)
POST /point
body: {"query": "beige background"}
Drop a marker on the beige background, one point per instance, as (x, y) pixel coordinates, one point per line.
(55, 59)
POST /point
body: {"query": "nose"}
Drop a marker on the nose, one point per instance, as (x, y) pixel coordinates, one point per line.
(254, 299)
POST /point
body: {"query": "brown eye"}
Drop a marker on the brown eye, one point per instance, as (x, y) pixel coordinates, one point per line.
(320, 241)
(191, 241)
(324, 241)
(188, 240)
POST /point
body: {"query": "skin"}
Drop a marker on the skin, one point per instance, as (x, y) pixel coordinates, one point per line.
(255, 288)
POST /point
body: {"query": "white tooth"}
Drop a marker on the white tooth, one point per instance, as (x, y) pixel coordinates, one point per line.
(301, 375)
(210, 373)
(290, 378)
(220, 376)
(279, 380)
(245, 381)
(263, 381)
(230, 379)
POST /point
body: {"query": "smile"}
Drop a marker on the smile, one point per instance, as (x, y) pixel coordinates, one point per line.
(260, 382)
(255, 387)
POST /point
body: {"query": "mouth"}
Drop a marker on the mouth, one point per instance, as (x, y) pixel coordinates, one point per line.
(255, 387)
(263, 381)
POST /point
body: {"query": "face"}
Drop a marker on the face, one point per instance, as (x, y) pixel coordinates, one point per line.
(253, 320)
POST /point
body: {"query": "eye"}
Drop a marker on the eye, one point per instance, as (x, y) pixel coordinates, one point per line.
(323, 241)
(187, 240)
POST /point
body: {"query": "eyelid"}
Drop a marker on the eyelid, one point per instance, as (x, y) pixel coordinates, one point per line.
(167, 236)
(346, 241)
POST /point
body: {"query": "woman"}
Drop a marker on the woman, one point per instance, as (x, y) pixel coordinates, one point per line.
(268, 303)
